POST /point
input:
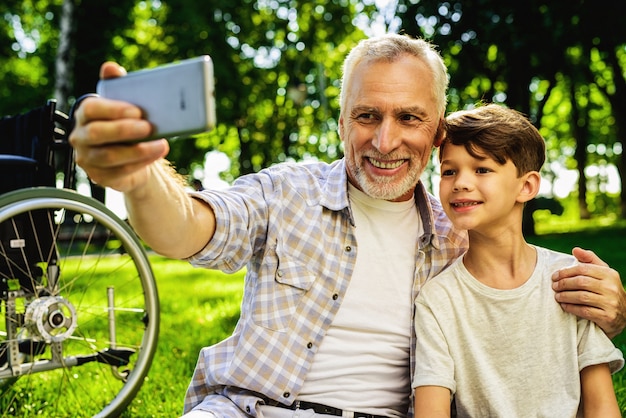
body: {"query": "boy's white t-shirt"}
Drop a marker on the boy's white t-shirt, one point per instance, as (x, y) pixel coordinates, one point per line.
(506, 353)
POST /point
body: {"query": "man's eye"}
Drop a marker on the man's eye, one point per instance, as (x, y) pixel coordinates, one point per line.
(409, 118)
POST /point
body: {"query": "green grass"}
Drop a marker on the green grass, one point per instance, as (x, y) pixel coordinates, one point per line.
(200, 307)
(85, 389)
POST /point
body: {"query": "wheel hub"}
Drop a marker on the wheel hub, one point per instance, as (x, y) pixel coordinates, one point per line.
(50, 319)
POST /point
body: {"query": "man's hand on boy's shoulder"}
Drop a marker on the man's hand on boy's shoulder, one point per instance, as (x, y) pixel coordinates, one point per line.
(592, 290)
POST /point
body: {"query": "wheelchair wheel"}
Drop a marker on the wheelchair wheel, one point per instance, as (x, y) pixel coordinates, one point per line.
(80, 307)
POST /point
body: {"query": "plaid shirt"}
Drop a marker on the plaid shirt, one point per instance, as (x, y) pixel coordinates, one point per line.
(291, 227)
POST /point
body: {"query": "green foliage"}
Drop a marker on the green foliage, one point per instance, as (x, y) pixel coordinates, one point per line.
(28, 40)
(604, 208)
(278, 66)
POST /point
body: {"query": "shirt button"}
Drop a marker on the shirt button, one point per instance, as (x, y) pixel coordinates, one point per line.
(286, 395)
(348, 248)
(309, 345)
(335, 296)
(248, 409)
(279, 273)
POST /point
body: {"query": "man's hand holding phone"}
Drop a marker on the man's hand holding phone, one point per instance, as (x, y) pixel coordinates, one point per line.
(108, 139)
(105, 140)
(178, 99)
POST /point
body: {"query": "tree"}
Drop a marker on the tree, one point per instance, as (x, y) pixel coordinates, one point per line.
(28, 41)
(278, 65)
(500, 51)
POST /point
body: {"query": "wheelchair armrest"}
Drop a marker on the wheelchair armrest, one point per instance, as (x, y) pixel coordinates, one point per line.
(16, 160)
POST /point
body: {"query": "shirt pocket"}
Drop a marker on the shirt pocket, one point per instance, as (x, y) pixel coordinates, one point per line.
(280, 291)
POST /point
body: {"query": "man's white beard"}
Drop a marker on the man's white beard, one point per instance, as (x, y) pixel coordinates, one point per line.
(386, 188)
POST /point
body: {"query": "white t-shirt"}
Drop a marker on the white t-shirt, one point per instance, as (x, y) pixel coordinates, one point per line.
(506, 353)
(363, 361)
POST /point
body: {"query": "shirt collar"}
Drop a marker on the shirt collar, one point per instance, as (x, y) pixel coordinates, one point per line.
(335, 189)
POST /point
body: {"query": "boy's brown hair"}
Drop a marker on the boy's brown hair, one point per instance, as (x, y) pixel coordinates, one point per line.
(499, 133)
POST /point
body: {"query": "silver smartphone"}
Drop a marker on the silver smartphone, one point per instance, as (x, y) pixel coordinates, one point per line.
(177, 99)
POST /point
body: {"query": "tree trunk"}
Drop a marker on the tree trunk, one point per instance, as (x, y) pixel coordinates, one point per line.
(579, 130)
(64, 59)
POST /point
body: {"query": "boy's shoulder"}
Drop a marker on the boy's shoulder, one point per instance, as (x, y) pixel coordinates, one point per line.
(448, 277)
(553, 259)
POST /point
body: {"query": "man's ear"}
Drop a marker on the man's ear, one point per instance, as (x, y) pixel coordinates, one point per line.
(340, 127)
(440, 134)
(530, 186)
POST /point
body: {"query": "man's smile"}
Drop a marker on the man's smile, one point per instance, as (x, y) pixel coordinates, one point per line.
(387, 165)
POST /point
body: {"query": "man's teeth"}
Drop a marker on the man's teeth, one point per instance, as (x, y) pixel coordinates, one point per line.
(464, 204)
(386, 165)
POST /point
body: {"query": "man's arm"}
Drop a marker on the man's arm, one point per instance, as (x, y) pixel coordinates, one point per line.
(592, 290)
(598, 395)
(166, 217)
(432, 402)
(159, 208)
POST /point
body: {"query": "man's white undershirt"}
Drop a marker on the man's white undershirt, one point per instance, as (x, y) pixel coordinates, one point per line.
(363, 361)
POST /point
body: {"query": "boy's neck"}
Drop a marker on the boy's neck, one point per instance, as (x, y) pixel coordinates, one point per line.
(503, 262)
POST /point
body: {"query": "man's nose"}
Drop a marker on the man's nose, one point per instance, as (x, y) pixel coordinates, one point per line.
(386, 137)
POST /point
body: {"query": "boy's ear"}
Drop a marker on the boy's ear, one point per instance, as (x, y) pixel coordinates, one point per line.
(530, 186)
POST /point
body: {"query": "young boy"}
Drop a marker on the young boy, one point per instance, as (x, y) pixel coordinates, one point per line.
(490, 335)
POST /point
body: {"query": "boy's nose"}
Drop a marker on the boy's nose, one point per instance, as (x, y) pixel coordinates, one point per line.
(461, 183)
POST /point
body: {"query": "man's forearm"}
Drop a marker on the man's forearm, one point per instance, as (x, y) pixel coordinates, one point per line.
(164, 215)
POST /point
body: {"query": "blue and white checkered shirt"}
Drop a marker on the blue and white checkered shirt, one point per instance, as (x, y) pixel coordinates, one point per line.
(291, 227)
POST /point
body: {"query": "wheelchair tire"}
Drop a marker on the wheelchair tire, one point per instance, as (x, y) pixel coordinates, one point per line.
(80, 306)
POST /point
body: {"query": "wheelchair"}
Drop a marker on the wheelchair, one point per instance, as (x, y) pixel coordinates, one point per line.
(78, 301)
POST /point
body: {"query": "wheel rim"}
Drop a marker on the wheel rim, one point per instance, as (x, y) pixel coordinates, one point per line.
(94, 252)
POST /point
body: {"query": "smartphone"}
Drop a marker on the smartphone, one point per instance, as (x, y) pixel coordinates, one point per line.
(178, 99)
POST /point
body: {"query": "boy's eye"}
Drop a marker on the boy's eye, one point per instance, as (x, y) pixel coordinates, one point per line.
(483, 170)
(448, 172)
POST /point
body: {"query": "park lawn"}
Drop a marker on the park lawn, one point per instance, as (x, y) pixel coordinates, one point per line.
(200, 307)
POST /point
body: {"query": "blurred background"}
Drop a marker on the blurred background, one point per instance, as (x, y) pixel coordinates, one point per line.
(278, 68)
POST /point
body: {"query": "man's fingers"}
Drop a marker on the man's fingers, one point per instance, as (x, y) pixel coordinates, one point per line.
(579, 297)
(113, 165)
(100, 121)
(111, 70)
(587, 312)
(122, 130)
(587, 256)
(114, 156)
(592, 290)
(576, 277)
(93, 108)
